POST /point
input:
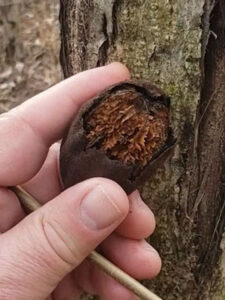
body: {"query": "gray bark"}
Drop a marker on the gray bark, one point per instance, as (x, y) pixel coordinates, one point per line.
(179, 46)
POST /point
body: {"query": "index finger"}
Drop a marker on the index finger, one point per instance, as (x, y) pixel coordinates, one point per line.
(27, 131)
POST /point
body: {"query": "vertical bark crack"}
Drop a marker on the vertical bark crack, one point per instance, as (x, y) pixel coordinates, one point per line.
(108, 30)
(207, 206)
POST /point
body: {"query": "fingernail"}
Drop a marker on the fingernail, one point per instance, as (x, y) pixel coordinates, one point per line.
(150, 248)
(98, 210)
(136, 197)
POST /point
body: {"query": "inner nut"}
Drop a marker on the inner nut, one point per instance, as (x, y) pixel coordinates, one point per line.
(128, 127)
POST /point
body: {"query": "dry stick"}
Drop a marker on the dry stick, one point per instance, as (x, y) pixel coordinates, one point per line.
(31, 204)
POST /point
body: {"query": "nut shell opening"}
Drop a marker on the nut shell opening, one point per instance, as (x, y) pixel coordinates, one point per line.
(128, 126)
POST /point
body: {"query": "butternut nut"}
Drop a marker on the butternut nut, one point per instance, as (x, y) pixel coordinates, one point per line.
(122, 134)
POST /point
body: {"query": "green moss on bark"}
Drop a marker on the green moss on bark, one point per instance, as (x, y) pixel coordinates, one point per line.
(160, 41)
(163, 41)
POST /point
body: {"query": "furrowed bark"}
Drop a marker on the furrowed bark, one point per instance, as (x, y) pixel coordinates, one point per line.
(179, 46)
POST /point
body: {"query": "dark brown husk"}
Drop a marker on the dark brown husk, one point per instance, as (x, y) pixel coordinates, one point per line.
(78, 161)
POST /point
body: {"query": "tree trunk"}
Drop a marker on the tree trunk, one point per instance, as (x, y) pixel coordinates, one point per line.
(179, 46)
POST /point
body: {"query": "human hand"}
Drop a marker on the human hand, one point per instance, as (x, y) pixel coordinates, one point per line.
(42, 255)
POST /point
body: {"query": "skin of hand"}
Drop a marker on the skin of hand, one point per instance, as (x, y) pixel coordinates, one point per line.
(42, 255)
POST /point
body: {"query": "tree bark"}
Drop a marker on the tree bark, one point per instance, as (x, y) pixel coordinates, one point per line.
(179, 46)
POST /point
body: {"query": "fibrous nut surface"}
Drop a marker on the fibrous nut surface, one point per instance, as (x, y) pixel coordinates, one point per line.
(127, 128)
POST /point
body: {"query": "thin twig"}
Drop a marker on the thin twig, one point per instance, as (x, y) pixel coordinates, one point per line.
(30, 204)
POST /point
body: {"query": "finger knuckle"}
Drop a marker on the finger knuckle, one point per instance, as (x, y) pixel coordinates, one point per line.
(59, 243)
(8, 284)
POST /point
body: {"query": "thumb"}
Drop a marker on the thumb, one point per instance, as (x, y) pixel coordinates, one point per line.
(42, 249)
